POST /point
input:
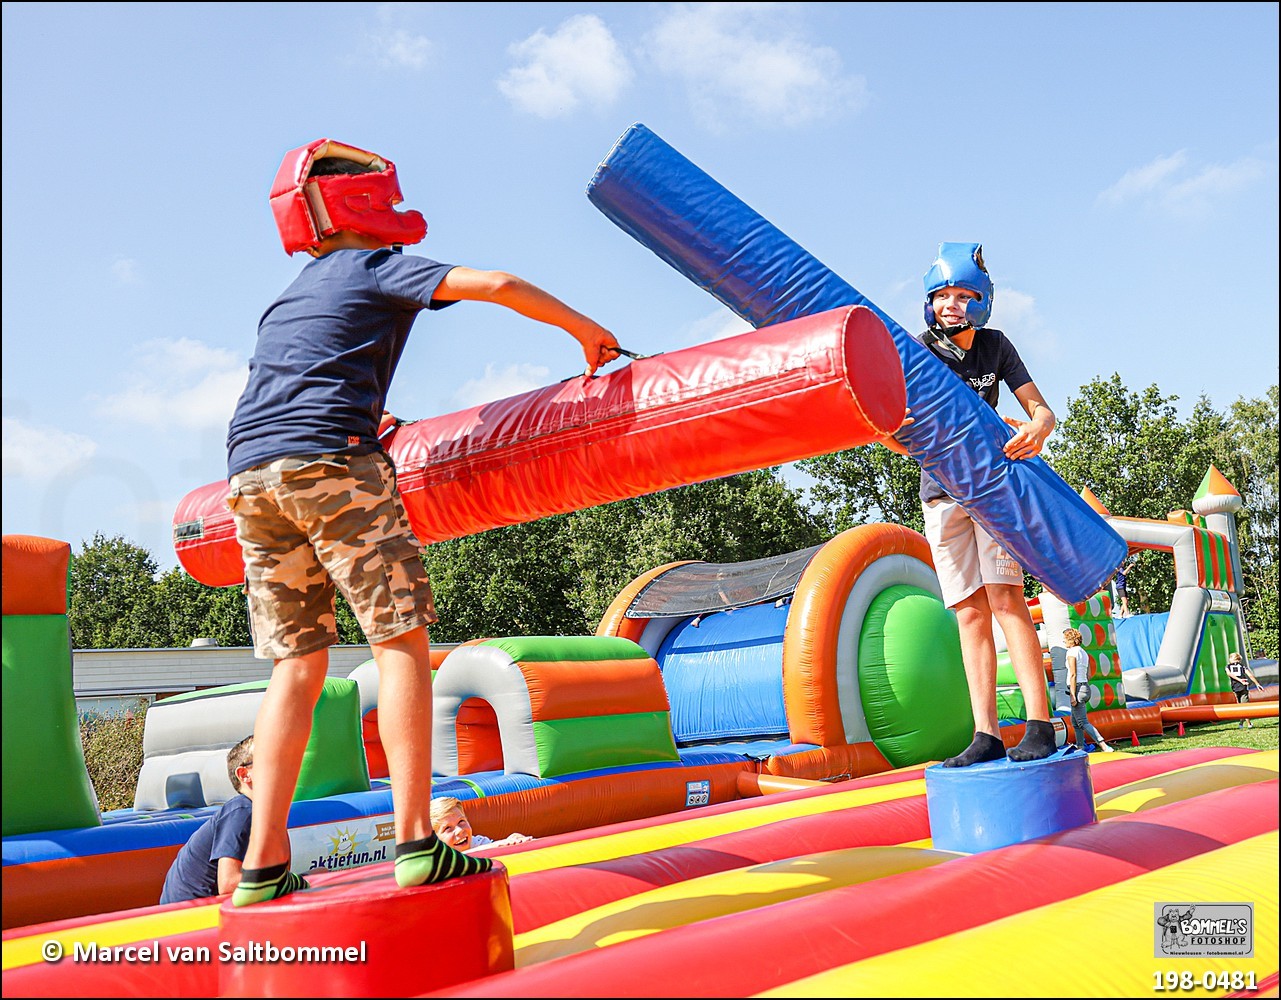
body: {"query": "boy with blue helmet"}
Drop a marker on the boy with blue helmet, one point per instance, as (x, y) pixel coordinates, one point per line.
(959, 265)
(979, 579)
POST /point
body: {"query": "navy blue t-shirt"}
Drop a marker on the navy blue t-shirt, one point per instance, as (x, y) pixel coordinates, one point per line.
(991, 360)
(326, 353)
(194, 872)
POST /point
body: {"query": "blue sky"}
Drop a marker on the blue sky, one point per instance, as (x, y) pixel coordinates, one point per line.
(1117, 161)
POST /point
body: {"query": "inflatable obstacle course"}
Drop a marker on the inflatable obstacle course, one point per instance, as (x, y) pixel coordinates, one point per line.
(187, 738)
(559, 705)
(46, 784)
(1205, 622)
(590, 898)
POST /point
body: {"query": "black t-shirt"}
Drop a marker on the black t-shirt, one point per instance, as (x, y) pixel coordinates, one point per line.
(991, 360)
(326, 353)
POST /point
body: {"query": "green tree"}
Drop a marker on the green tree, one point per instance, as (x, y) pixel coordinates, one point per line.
(1253, 470)
(507, 581)
(111, 597)
(866, 485)
(557, 576)
(192, 610)
(1136, 455)
(1141, 460)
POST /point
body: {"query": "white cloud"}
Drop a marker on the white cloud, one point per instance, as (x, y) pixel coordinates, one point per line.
(393, 47)
(178, 383)
(41, 453)
(125, 271)
(500, 383)
(402, 49)
(579, 63)
(745, 61)
(716, 326)
(1015, 313)
(1169, 182)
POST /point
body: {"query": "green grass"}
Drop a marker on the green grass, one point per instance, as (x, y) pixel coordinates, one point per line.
(1263, 736)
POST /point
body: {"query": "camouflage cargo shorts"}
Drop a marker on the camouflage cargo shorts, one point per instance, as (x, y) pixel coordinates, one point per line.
(308, 524)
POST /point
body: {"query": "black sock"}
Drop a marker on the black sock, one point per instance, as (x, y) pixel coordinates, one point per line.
(1037, 742)
(984, 748)
(430, 860)
(258, 885)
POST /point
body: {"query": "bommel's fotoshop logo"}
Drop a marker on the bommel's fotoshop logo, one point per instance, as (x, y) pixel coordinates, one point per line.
(1205, 930)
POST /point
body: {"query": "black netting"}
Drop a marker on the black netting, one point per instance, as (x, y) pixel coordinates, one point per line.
(701, 588)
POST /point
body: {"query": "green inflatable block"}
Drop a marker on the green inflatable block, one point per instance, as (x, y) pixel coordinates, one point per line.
(46, 784)
(568, 746)
(1218, 641)
(567, 648)
(1010, 704)
(334, 761)
(911, 678)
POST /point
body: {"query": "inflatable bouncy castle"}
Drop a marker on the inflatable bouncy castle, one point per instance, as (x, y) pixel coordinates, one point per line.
(1185, 652)
(46, 784)
(663, 906)
(707, 685)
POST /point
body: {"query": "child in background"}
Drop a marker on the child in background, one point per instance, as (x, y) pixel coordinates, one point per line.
(1238, 673)
(1078, 674)
(209, 863)
(453, 828)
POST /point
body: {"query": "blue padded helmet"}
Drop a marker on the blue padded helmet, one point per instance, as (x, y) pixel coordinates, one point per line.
(960, 265)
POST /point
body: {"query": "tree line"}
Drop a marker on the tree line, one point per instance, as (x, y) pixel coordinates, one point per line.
(557, 576)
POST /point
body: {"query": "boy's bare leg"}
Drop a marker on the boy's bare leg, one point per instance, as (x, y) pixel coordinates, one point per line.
(281, 732)
(404, 726)
(978, 652)
(1010, 609)
(404, 692)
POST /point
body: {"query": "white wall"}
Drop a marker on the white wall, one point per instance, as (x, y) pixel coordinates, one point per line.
(113, 673)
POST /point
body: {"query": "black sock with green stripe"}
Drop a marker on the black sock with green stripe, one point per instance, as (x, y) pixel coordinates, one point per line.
(430, 860)
(257, 885)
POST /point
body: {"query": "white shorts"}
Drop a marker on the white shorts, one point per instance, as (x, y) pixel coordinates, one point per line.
(966, 557)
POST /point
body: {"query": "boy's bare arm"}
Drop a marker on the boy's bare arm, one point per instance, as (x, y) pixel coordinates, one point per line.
(228, 874)
(1030, 435)
(519, 295)
(893, 443)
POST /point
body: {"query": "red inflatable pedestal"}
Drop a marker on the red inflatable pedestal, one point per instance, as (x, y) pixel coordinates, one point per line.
(367, 938)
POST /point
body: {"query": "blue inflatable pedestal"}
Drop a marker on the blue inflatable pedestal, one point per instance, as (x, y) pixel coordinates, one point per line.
(999, 803)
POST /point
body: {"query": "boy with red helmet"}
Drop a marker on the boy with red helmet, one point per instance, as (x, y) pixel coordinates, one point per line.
(314, 495)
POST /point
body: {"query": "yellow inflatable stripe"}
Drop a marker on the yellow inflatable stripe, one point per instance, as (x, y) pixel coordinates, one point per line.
(1187, 783)
(685, 831)
(20, 951)
(715, 895)
(1098, 944)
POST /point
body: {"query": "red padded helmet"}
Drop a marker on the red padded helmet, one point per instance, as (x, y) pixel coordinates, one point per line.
(307, 209)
